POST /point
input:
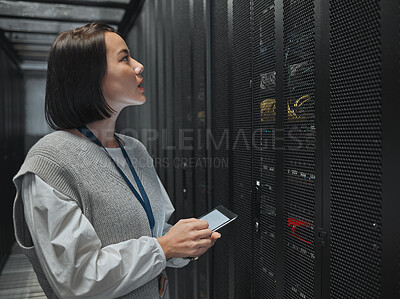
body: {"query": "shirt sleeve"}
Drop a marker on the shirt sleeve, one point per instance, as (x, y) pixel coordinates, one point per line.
(169, 210)
(71, 253)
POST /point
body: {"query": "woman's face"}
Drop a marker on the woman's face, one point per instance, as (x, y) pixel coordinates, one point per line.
(122, 79)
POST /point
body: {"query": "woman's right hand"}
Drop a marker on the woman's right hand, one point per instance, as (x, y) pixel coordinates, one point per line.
(188, 238)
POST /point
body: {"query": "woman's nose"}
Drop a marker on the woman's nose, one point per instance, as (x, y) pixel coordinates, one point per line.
(139, 69)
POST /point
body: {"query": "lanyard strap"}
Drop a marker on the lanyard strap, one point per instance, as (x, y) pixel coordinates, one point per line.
(144, 200)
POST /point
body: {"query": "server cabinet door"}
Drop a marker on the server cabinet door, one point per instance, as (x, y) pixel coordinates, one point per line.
(299, 148)
(264, 150)
(242, 148)
(357, 219)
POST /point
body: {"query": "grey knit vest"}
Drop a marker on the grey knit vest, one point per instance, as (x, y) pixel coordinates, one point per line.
(82, 170)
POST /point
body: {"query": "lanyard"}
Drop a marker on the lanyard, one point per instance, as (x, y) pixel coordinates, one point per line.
(144, 200)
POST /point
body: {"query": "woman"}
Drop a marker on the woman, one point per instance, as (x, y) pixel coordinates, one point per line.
(90, 211)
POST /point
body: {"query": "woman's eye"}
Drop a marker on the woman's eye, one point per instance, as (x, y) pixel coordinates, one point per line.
(125, 58)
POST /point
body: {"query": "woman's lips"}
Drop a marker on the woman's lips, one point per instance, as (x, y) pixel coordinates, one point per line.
(141, 88)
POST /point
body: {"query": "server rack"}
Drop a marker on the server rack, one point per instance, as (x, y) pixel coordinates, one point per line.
(173, 52)
(241, 148)
(364, 139)
(11, 145)
(298, 98)
(264, 152)
(299, 148)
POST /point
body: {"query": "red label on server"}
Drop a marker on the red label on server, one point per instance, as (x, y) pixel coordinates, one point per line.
(294, 223)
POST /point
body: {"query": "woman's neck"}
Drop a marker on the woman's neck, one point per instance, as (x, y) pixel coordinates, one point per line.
(103, 129)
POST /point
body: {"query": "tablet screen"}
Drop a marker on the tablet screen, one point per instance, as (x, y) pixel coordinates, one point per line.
(215, 219)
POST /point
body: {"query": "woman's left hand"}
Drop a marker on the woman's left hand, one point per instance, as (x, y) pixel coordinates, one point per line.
(214, 237)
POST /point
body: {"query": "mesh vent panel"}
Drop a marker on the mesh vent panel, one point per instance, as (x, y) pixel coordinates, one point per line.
(242, 154)
(264, 146)
(199, 109)
(199, 106)
(220, 132)
(183, 114)
(356, 149)
(299, 147)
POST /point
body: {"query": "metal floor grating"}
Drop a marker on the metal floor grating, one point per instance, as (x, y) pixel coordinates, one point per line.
(17, 279)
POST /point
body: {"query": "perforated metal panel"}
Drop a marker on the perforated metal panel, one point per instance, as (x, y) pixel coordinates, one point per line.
(184, 60)
(242, 147)
(264, 120)
(178, 26)
(199, 107)
(220, 129)
(261, 183)
(356, 149)
(199, 116)
(186, 67)
(299, 148)
(164, 48)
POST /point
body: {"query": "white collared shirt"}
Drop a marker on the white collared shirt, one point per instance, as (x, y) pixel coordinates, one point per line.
(71, 253)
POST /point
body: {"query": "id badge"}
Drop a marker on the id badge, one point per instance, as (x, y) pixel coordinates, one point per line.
(163, 290)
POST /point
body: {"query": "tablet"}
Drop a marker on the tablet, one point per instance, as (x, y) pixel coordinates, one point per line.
(218, 217)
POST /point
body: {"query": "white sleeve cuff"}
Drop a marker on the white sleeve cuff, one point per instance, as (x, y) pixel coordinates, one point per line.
(177, 262)
(159, 251)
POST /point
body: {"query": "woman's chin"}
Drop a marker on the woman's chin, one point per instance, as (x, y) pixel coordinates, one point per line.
(137, 101)
(142, 100)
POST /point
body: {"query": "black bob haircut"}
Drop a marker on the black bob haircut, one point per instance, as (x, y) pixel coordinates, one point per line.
(76, 67)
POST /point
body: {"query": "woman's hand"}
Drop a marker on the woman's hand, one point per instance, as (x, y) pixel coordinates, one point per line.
(188, 237)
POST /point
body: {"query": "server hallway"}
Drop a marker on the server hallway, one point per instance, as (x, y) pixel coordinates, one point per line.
(286, 112)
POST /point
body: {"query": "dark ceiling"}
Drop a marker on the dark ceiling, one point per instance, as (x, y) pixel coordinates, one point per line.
(28, 28)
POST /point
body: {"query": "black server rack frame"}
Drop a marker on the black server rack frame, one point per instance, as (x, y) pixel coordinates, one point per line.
(240, 280)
